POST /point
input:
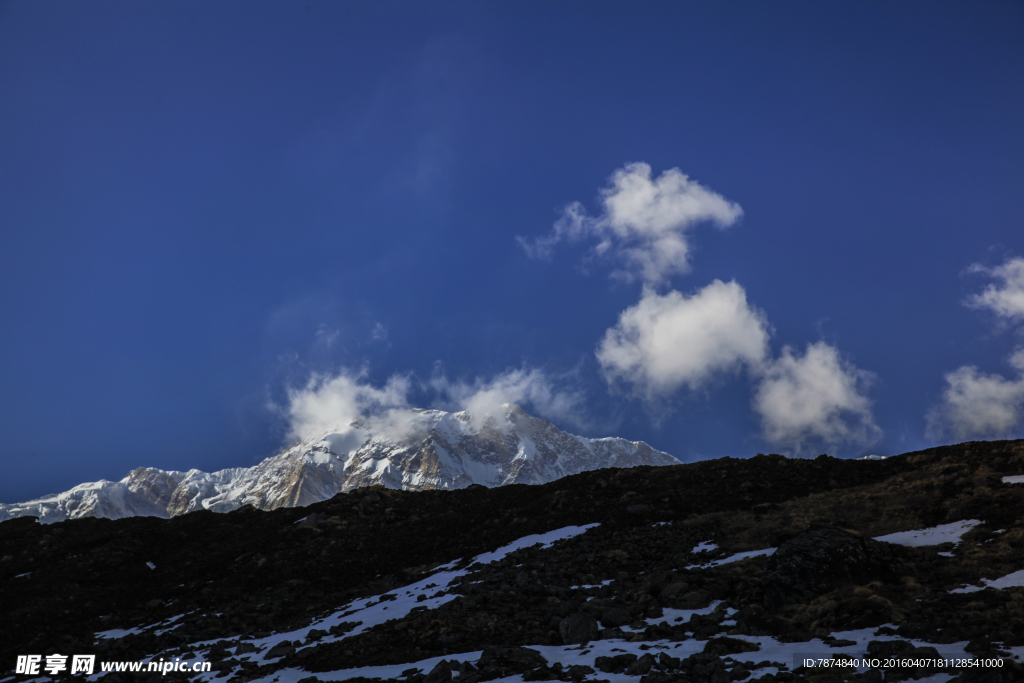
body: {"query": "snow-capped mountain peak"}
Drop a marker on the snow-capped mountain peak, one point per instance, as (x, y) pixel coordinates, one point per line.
(414, 449)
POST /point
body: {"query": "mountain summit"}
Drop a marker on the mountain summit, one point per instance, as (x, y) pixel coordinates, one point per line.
(415, 450)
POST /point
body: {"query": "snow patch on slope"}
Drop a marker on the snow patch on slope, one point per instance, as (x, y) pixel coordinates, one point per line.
(936, 535)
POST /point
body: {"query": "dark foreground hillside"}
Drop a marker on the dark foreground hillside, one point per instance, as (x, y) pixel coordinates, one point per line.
(633, 576)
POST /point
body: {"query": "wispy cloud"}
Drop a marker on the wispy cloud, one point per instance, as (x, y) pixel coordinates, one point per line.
(666, 342)
(1005, 298)
(643, 224)
(551, 397)
(814, 399)
(379, 333)
(326, 337)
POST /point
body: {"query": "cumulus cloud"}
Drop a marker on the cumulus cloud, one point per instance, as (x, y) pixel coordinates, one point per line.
(666, 342)
(332, 404)
(643, 224)
(1006, 298)
(816, 398)
(532, 389)
(975, 404)
(979, 405)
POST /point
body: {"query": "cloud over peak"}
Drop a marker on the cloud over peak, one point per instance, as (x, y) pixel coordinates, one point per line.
(347, 406)
(531, 387)
(332, 403)
(643, 224)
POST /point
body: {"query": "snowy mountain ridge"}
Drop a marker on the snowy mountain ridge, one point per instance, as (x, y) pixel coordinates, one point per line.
(426, 449)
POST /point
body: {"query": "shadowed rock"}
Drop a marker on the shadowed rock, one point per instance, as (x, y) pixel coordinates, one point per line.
(578, 628)
(511, 659)
(822, 559)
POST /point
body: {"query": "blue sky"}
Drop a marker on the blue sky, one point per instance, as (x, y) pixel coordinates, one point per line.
(721, 228)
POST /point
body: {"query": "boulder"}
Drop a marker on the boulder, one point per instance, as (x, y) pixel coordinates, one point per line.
(615, 616)
(698, 599)
(673, 591)
(578, 628)
(729, 646)
(282, 649)
(616, 664)
(441, 673)
(641, 666)
(822, 559)
(515, 659)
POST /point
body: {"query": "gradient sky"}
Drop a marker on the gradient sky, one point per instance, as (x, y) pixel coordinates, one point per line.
(205, 207)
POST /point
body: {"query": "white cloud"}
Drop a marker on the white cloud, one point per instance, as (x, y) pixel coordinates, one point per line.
(1016, 360)
(979, 405)
(1007, 298)
(532, 389)
(347, 408)
(332, 404)
(665, 342)
(817, 398)
(325, 337)
(975, 404)
(644, 222)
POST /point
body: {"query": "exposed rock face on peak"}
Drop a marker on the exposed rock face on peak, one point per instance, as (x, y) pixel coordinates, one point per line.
(415, 450)
(145, 492)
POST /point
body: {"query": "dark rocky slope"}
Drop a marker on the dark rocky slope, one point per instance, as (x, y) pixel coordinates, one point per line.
(238, 578)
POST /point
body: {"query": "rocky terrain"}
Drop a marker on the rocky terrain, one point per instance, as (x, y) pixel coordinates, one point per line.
(410, 449)
(908, 568)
